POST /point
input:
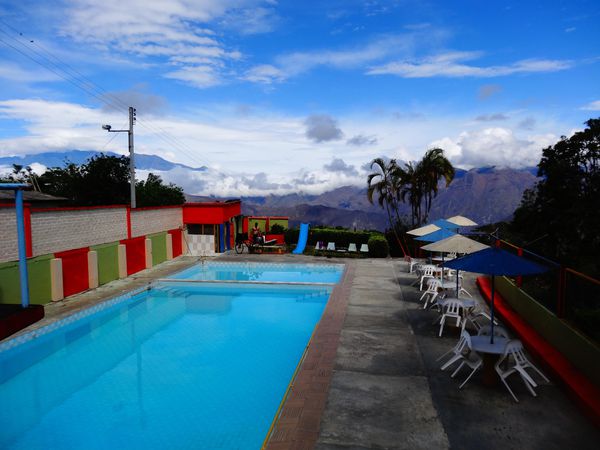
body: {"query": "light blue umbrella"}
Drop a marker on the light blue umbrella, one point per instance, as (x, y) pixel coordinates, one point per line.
(437, 235)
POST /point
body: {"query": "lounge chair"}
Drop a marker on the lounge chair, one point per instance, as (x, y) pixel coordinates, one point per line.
(364, 248)
(331, 246)
(352, 248)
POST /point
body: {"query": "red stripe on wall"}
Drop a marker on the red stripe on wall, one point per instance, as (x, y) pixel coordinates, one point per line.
(75, 270)
(136, 254)
(128, 222)
(27, 222)
(176, 238)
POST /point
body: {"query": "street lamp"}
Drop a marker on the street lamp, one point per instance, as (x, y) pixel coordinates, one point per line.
(132, 113)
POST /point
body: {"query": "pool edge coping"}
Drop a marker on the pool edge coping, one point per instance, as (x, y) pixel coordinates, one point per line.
(297, 423)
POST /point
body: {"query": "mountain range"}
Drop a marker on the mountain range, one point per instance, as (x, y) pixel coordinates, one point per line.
(486, 195)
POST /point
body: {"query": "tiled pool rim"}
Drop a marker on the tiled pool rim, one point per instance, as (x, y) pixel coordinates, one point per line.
(298, 423)
(86, 312)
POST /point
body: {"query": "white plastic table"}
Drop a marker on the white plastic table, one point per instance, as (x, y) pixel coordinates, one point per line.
(467, 303)
(489, 354)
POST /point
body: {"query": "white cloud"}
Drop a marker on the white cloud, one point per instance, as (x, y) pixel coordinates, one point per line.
(494, 147)
(264, 73)
(14, 72)
(296, 63)
(261, 152)
(593, 106)
(179, 32)
(451, 64)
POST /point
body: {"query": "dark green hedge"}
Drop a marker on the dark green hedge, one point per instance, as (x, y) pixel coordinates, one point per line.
(378, 246)
(342, 238)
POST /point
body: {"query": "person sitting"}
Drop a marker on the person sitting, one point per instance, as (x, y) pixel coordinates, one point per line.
(257, 237)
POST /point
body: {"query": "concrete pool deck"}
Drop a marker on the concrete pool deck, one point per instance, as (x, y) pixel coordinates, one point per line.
(375, 381)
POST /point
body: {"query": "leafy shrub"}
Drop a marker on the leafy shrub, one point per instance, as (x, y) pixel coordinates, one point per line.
(277, 229)
(378, 246)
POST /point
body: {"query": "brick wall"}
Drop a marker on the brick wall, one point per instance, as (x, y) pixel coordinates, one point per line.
(148, 221)
(54, 231)
(8, 235)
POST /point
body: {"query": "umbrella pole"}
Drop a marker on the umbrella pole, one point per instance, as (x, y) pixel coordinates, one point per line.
(492, 312)
(456, 275)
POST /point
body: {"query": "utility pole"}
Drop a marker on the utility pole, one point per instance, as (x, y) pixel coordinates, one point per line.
(131, 156)
(129, 131)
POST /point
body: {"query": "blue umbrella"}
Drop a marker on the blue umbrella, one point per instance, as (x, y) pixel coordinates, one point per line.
(495, 261)
(437, 235)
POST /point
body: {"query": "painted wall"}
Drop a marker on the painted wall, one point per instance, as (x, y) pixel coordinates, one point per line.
(8, 236)
(584, 354)
(108, 262)
(39, 281)
(159, 248)
(63, 229)
(136, 254)
(148, 221)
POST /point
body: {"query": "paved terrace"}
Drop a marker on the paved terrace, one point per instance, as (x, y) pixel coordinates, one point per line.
(370, 378)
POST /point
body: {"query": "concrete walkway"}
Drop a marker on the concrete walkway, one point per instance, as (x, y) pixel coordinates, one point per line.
(387, 390)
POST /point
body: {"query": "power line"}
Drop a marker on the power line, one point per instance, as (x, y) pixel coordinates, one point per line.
(89, 87)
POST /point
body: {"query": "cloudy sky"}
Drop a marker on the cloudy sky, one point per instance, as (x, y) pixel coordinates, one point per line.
(278, 96)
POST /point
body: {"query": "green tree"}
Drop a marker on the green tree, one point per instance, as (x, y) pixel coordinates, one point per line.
(104, 180)
(153, 192)
(559, 217)
(418, 183)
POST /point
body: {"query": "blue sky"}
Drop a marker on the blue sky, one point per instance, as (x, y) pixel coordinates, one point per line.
(279, 96)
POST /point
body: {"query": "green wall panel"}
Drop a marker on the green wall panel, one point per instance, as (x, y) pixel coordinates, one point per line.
(108, 262)
(582, 352)
(40, 289)
(282, 222)
(262, 223)
(159, 248)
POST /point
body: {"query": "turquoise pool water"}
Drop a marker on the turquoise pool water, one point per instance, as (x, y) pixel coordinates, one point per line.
(182, 365)
(263, 272)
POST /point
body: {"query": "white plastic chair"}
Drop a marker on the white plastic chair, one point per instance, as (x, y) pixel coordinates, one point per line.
(320, 246)
(364, 248)
(414, 262)
(432, 292)
(514, 351)
(471, 359)
(451, 309)
(458, 351)
(352, 247)
(426, 272)
(331, 246)
(475, 316)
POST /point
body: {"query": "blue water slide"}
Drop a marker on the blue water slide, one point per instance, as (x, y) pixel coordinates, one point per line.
(301, 239)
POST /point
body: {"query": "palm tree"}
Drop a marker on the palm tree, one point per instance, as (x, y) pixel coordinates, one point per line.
(433, 167)
(411, 188)
(384, 183)
(419, 182)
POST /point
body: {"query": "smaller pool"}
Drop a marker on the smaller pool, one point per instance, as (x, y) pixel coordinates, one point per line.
(265, 272)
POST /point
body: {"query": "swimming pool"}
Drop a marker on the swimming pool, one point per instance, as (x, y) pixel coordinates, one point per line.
(263, 272)
(182, 365)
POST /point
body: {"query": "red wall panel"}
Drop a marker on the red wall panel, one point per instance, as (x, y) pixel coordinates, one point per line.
(176, 238)
(75, 270)
(136, 254)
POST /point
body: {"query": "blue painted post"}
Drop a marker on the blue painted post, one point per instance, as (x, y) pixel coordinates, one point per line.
(221, 238)
(22, 254)
(228, 236)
